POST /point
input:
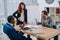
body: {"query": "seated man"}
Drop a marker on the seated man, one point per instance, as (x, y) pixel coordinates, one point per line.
(45, 20)
(13, 32)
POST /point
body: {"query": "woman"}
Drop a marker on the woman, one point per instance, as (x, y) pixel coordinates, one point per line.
(21, 14)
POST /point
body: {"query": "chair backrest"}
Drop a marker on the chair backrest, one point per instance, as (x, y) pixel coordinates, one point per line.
(3, 35)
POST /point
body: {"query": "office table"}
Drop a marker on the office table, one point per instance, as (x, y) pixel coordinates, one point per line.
(48, 33)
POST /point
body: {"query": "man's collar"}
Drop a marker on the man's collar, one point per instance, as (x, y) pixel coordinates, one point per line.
(10, 24)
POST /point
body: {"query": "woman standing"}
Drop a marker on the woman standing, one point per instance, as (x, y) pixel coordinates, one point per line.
(21, 13)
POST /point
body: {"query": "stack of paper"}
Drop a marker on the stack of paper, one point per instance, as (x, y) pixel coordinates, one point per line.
(37, 31)
(29, 26)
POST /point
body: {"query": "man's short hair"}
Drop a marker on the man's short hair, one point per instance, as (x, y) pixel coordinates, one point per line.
(45, 12)
(10, 18)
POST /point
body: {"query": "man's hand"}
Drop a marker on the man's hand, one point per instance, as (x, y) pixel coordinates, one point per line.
(36, 20)
(45, 21)
(17, 28)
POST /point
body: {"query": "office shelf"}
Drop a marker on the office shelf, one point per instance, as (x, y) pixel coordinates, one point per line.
(54, 12)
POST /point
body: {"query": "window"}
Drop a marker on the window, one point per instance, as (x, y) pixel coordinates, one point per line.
(30, 2)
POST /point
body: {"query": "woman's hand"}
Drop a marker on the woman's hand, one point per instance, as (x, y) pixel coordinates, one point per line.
(19, 18)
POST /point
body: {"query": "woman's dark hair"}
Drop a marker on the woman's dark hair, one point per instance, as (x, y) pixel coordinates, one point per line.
(10, 18)
(45, 12)
(19, 7)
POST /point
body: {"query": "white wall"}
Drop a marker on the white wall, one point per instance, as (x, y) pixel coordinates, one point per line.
(2, 12)
(33, 12)
(1, 6)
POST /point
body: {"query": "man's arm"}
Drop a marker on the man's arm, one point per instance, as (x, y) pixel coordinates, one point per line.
(14, 34)
(49, 22)
(37, 22)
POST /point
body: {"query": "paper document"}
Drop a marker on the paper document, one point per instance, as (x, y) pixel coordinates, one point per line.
(37, 31)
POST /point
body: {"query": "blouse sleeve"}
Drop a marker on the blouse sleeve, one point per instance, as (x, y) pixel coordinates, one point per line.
(14, 14)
